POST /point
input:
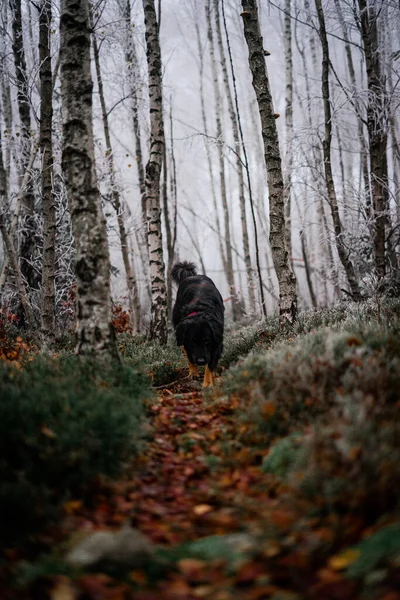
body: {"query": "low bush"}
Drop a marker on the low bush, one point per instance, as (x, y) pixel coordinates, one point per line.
(239, 343)
(163, 364)
(302, 378)
(62, 424)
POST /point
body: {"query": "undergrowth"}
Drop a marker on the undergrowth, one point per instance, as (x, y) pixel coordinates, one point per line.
(63, 423)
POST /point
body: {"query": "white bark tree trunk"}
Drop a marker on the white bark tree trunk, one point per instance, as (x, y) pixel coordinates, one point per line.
(286, 279)
(239, 163)
(228, 266)
(158, 323)
(131, 283)
(288, 124)
(93, 312)
(27, 242)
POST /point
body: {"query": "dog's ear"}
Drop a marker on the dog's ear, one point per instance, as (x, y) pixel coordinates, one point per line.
(180, 333)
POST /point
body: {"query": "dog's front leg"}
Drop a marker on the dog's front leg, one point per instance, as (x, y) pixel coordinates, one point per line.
(208, 377)
(193, 370)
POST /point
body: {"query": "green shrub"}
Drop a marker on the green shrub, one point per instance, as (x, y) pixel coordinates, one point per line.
(301, 378)
(376, 550)
(283, 456)
(239, 343)
(62, 423)
(162, 363)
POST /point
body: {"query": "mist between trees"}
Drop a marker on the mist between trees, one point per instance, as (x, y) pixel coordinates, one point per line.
(259, 139)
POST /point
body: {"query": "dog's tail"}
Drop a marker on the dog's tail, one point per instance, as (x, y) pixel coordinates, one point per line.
(181, 270)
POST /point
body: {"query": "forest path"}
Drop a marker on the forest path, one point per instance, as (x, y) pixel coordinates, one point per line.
(228, 529)
(195, 479)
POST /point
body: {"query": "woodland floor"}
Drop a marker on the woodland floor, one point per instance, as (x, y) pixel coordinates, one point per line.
(197, 480)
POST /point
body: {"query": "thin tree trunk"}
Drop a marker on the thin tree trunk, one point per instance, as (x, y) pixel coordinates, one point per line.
(48, 202)
(287, 192)
(133, 295)
(377, 129)
(286, 278)
(170, 221)
(13, 261)
(168, 232)
(330, 186)
(394, 145)
(3, 174)
(6, 97)
(27, 243)
(304, 254)
(205, 130)
(158, 324)
(218, 111)
(173, 185)
(239, 164)
(324, 238)
(247, 169)
(133, 79)
(18, 207)
(357, 104)
(95, 334)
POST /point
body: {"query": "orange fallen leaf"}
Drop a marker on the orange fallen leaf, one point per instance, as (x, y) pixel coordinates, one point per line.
(63, 590)
(202, 509)
(189, 566)
(72, 506)
(343, 559)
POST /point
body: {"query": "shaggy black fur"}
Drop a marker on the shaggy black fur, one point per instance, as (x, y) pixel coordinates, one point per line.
(198, 316)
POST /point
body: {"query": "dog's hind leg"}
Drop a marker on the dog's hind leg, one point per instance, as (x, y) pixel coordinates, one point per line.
(193, 370)
(208, 377)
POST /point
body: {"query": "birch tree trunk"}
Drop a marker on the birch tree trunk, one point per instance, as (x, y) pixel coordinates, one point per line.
(5, 96)
(286, 279)
(94, 330)
(158, 323)
(239, 163)
(134, 83)
(18, 207)
(205, 130)
(377, 127)
(330, 185)
(218, 111)
(170, 216)
(3, 175)
(133, 295)
(46, 146)
(13, 262)
(27, 243)
(288, 124)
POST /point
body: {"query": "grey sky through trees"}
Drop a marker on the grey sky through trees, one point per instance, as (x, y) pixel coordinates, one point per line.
(197, 231)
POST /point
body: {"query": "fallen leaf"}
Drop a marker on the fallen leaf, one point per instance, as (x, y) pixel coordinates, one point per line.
(343, 559)
(63, 590)
(202, 509)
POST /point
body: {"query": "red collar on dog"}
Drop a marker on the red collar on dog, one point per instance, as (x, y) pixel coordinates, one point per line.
(192, 314)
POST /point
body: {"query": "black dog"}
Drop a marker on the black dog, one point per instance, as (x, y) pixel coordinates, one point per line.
(198, 319)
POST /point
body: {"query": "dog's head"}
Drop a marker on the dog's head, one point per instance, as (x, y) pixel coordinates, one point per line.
(197, 336)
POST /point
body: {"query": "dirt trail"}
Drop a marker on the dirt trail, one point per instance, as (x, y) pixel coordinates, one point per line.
(181, 489)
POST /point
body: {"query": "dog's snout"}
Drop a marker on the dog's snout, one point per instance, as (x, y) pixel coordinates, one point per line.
(201, 361)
